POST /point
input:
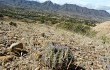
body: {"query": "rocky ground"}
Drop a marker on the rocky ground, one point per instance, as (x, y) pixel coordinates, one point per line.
(89, 53)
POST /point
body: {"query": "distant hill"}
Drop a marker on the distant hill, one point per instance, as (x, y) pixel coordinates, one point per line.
(66, 9)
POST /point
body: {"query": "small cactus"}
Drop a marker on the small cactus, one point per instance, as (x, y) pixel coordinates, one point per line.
(57, 57)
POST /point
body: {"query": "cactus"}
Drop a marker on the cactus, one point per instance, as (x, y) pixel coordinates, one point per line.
(57, 56)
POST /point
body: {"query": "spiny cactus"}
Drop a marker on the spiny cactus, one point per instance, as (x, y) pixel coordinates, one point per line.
(57, 56)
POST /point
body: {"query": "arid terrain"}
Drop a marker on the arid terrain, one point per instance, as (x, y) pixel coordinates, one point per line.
(89, 53)
(37, 35)
(103, 28)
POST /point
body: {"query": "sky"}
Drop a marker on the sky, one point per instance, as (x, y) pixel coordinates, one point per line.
(93, 4)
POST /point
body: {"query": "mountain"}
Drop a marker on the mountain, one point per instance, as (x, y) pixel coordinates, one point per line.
(66, 9)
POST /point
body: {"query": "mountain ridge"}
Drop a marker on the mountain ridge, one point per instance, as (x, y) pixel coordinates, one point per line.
(66, 9)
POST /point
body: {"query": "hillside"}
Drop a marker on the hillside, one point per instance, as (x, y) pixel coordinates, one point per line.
(103, 28)
(88, 53)
(103, 31)
(66, 9)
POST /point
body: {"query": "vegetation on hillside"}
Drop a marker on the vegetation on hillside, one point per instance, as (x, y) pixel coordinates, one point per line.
(78, 28)
(77, 25)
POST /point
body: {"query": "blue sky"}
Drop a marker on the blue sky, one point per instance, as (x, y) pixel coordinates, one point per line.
(94, 4)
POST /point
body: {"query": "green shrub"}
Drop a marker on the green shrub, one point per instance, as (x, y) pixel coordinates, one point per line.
(105, 39)
(64, 25)
(42, 19)
(1, 15)
(78, 28)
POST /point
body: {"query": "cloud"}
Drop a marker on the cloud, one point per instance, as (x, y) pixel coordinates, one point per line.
(107, 8)
(108, 11)
(91, 6)
(104, 7)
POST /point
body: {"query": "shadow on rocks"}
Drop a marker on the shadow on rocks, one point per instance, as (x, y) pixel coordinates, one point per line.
(74, 67)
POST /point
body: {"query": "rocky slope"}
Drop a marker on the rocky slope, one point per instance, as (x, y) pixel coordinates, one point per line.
(88, 53)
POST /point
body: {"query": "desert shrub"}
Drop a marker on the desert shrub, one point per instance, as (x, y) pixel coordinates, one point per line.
(13, 24)
(1, 15)
(89, 22)
(84, 30)
(57, 57)
(53, 20)
(42, 19)
(105, 39)
(65, 25)
(78, 28)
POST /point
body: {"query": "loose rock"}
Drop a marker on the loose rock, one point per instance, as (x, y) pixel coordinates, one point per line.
(16, 48)
(38, 68)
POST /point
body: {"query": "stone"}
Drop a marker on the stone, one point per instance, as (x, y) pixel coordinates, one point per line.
(108, 66)
(16, 48)
(16, 45)
(43, 34)
(38, 68)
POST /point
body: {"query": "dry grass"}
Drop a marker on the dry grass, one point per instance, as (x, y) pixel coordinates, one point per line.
(88, 53)
(103, 28)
